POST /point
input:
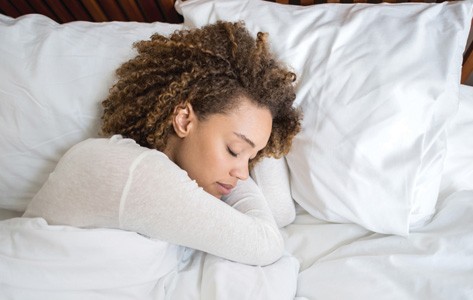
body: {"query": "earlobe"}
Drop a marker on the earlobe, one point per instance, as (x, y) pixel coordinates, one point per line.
(183, 119)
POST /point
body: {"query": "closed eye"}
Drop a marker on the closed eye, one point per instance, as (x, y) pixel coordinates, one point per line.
(231, 152)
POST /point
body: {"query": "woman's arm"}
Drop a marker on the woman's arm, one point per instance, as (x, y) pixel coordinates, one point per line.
(272, 176)
(117, 184)
(163, 202)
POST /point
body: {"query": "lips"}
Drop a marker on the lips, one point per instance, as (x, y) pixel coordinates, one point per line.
(224, 188)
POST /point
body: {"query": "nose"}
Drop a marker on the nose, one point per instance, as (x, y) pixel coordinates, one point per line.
(240, 171)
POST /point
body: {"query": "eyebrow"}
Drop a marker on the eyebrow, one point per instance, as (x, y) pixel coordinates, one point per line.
(243, 137)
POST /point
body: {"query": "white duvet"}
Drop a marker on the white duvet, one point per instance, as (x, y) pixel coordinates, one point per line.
(38, 261)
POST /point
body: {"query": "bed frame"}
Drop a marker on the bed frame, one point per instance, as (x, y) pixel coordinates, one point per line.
(63, 11)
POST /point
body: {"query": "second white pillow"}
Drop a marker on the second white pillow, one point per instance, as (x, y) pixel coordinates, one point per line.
(377, 86)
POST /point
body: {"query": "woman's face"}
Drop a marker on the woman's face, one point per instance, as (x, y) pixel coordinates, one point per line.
(215, 152)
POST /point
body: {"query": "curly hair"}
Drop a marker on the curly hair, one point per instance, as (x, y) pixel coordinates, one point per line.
(208, 67)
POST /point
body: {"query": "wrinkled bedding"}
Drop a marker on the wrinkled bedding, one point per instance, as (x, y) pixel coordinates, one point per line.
(323, 260)
(345, 261)
(39, 261)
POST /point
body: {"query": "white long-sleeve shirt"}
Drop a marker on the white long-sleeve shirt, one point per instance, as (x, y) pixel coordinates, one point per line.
(116, 183)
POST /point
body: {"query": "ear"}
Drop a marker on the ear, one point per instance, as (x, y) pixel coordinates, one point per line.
(183, 119)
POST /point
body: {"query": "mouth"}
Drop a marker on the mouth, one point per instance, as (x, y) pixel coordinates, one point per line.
(224, 188)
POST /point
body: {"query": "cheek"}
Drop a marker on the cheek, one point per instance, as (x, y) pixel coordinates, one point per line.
(216, 159)
(207, 161)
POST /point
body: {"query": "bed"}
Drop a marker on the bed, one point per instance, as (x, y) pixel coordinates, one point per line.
(381, 174)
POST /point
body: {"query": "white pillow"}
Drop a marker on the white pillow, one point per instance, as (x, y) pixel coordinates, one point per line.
(457, 174)
(52, 80)
(377, 85)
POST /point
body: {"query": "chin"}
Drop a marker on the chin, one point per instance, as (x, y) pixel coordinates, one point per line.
(214, 193)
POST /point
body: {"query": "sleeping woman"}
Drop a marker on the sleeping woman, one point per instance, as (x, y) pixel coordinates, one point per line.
(185, 121)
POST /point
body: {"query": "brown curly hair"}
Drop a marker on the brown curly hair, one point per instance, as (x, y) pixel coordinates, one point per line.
(209, 68)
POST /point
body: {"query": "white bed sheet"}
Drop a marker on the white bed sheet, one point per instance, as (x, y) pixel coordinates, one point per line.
(344, 261)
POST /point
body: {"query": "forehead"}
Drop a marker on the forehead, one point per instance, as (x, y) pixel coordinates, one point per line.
(248, 119)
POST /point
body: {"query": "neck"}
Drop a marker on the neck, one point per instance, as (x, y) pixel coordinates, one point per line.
(169, 150)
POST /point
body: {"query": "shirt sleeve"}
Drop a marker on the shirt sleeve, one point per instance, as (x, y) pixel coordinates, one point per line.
(161, 201)
(272, 176)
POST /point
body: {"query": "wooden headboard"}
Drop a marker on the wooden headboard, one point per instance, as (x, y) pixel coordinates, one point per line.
(95, 10)
(63, 11)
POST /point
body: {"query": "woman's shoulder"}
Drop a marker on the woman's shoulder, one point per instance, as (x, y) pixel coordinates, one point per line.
(115, 141)
(115, 149)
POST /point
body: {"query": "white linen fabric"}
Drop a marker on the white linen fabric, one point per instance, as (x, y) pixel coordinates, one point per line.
(53, 78)
(224, 279)
(8, 214)
(338, 261)
(345, 261)
(116, 183)
(457, 174)
(377, 85)
(45, 262)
